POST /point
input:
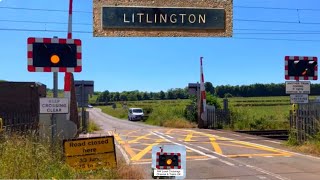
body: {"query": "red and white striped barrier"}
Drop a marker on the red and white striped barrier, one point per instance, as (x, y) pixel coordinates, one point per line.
(67, 76)
(203, 91)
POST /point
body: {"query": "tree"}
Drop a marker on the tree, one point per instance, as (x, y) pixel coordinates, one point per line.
(162, 95)
(171, 94)
(146, 96)
(209, 87)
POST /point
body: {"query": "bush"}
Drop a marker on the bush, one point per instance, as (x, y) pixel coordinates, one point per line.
(213, 101)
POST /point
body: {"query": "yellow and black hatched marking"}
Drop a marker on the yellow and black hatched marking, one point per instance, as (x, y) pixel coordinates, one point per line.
(138, 144)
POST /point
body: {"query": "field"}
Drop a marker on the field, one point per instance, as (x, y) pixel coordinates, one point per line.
(250, 113)
(261, 112)
(168, 113)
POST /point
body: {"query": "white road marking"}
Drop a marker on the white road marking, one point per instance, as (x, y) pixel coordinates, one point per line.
(203, 148)
(267, 172)
(169, 136)
(261, 177)
(236, 135)
(276, 142)
(195, 150)
(268, 156)
(137, 163)
(199, 159)
(226, 162)
(250, 137)
(125, 156)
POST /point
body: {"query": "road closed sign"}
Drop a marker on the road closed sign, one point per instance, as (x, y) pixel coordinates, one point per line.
(299, 98)
(54, 106)
(90, 153)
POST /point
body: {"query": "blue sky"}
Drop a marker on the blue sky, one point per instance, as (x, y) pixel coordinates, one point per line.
(154, 64)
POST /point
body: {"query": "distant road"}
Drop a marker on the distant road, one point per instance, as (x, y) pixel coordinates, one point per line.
(211, 154)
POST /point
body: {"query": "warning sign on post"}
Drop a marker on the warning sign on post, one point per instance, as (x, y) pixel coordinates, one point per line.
(90, 153)
(54, 106)
(298, 87)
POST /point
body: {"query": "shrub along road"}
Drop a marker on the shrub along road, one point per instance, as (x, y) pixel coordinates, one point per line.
(210, 153)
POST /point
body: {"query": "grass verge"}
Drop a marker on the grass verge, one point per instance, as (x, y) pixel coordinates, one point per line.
(93, 126)
(312, 146)
(29, 157)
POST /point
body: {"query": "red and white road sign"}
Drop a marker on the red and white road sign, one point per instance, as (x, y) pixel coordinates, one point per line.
(298, 58)
(32, 68)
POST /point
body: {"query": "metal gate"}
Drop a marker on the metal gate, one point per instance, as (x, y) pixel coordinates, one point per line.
(217, 118)
(305, 121)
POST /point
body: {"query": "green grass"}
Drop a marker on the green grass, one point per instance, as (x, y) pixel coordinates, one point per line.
(260, 113)
(93, 127)
(29, 157)
(169, 113)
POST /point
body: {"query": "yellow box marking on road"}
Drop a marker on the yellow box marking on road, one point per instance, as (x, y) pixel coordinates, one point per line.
(131, 132)
(118, 139)
(139, 138)
(215, 145)
(189, 136)
(88, 146)
(258, 155)
(240, 146)
(169, 131)
(90, 162)
(197, 157)
(260, 147)
(126, 147)
(143, 152)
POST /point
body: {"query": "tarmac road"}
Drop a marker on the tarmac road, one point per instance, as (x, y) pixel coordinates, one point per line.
(211, 154)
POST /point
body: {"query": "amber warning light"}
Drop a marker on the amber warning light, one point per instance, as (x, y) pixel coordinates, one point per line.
(55, 59)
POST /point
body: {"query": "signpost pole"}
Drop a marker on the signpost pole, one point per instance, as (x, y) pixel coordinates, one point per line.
(54, 116)
(83, 110)
(55, 95)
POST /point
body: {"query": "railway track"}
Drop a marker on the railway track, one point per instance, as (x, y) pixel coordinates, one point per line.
(273, 134)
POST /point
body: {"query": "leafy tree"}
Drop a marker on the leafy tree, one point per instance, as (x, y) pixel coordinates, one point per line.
(209, 87)
(162, 95)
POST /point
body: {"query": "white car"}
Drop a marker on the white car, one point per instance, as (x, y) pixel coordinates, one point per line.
(135, 114)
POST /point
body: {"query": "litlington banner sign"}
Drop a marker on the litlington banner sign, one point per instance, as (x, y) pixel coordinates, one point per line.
(54, 106)
(163, 18)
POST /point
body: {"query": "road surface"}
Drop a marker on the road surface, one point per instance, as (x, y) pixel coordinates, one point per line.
(211, 154)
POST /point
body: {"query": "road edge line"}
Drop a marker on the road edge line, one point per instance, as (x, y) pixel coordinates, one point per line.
(124, 154)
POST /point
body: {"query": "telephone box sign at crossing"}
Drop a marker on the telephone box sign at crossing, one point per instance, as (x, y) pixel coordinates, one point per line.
(298, 87)
(299, 98)
(169, 161)
(54, 106)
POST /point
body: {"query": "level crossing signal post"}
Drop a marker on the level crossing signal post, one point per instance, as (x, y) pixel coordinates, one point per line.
(54, 55)
(300, 69)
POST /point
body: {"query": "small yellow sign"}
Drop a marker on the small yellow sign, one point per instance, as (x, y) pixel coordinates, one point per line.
(88, 146)
(90, 153)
